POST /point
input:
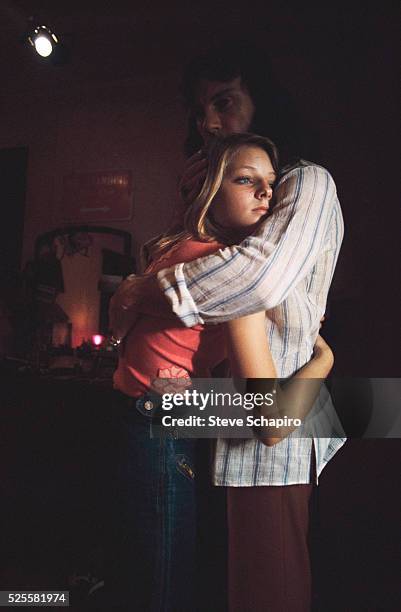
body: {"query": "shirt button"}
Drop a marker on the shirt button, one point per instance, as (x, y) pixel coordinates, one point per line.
(148, 405)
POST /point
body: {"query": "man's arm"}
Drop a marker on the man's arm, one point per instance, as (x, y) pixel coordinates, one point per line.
(260, 272)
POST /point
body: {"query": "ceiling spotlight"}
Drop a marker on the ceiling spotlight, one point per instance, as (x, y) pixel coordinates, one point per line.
(43, 40)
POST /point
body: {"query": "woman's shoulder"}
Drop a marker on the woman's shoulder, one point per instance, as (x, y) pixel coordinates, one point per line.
(183, 251)
(192, 248)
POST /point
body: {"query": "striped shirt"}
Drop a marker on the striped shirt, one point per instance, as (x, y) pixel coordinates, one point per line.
(285, 268)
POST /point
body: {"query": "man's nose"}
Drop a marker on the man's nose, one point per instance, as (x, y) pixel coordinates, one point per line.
(211, 122)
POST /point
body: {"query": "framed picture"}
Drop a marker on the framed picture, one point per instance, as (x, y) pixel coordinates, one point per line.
(97, 196)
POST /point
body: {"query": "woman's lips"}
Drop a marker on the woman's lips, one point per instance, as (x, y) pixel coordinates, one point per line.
(262, 209)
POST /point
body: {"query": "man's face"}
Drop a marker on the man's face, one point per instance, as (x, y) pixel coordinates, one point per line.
(223, 108)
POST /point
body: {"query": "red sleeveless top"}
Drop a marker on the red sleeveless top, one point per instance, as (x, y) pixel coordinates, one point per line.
(163, 348)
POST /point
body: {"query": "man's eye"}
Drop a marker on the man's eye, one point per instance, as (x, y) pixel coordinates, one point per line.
(243, 180)
(222, 104)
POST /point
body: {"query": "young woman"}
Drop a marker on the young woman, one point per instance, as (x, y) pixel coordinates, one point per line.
(155, 491)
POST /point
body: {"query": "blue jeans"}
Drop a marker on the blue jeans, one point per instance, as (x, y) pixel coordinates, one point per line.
(153, 546)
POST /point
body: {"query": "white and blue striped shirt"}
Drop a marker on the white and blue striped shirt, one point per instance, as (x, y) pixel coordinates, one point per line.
(285, 268)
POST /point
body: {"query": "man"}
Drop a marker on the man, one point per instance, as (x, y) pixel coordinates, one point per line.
(285, 268)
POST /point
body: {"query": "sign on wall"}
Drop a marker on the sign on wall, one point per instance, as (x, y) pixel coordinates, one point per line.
(97, 196)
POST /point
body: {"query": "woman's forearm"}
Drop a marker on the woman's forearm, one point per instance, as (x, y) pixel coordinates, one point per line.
(250, 357)
(296, 397)
(248, 349)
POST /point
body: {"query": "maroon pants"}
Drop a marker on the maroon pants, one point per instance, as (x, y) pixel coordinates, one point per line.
(268, 555)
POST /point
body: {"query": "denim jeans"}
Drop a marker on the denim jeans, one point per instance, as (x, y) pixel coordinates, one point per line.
(152, 552)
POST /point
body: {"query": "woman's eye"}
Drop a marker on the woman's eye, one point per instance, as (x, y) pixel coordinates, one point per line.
(243, 180)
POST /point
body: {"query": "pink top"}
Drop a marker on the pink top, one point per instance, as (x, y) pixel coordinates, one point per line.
(164, 348)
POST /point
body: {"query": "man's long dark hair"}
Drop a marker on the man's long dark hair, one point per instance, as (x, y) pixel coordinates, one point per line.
(275, 115)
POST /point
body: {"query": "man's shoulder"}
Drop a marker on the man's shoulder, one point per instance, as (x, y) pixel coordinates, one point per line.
(306, 174)
(306, 186)
(299, 164)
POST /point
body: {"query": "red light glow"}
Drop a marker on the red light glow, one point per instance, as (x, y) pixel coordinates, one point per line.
(97, 339)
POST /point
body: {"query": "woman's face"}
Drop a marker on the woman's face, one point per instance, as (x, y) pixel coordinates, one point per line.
(223, 108)
(246, 190)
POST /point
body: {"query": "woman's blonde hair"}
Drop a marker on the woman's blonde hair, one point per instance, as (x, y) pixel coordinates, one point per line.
(196, 222)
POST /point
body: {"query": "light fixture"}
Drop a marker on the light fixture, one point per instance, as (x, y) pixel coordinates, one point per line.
(43, 40)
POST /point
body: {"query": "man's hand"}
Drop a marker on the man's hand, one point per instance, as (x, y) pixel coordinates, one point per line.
(193, 178)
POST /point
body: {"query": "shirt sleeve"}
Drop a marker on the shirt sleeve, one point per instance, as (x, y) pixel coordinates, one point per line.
(259, 273)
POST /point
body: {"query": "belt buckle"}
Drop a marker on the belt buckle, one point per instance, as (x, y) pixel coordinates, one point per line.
(148, 404)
